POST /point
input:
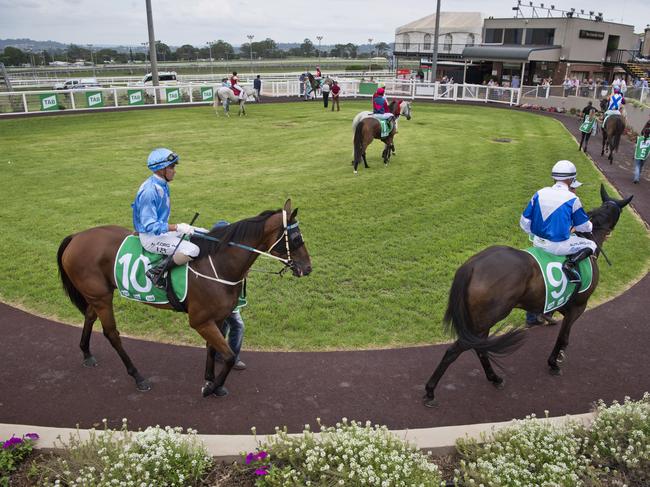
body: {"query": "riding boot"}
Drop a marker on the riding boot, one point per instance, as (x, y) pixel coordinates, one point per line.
(569, 266)
(157, 272)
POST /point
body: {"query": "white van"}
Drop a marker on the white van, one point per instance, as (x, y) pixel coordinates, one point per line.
(87, 83)
(165, 78)
(66, 85)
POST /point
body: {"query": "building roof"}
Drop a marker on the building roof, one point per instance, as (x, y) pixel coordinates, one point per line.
(508, 53)
(449, 22)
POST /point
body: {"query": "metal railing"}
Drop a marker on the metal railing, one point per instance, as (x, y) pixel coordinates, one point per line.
(621, 56)
(23, 102)
(641, 94)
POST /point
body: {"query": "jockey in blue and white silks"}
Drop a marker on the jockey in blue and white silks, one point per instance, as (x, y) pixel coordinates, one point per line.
(615, 103)
(151, 209)
(551, 215)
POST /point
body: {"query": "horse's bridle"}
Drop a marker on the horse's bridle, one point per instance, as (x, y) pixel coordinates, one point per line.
(292, 239)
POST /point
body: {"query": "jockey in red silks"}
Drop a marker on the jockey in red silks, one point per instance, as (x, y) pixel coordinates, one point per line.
(235, 87)
(318, 73)
(380, 108)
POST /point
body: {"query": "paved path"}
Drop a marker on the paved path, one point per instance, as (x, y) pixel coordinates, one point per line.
(42, 381)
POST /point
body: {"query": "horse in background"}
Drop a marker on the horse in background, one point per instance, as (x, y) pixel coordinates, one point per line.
(613, 129)
(365, 128)
(226, 96)
(314, 86)
(498, 279)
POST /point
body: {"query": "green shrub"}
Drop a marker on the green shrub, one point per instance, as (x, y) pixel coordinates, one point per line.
(13, 452)
(531, 452)
(619, 437)
(364, 67)
(153, 457)
(349, 454)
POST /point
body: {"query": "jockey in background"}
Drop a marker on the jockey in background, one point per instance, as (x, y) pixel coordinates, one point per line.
(235, 87)
(553, 213)
(615, 103)
(318, 73)
(380, 107)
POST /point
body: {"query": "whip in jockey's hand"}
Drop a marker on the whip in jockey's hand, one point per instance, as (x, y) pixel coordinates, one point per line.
(551, 215)
(151, 210)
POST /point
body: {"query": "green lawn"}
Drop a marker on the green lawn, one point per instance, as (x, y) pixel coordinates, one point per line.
(384, 244)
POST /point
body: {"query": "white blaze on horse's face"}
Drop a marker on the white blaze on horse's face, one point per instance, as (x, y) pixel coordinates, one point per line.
(405, 110)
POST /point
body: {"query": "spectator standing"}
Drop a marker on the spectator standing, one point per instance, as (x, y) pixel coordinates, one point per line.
(566, 84)
(257, 86)
(336, 89)
(325, 90)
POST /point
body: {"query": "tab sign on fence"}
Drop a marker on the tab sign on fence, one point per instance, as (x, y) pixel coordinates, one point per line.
(207, 94)
(173, 95)
(49, 101)
(94, 99)
(136, 97)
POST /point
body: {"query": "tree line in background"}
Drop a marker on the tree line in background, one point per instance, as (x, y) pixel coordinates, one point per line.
(218, 50)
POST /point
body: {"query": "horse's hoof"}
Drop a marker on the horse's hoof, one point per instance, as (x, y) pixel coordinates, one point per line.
(221, 391)
(144, 385)
(430, 402)
(556, 371)
(500, 384)
(207, 389)
(356, 173)
(90, 362)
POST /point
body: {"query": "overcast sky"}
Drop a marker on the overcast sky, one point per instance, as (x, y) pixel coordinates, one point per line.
(198, 21)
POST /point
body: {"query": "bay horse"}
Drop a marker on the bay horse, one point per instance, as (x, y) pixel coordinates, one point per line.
(86, 261)
(498, 279)
(314, 84)
(365, 128)
(226, 96)
(612, 132)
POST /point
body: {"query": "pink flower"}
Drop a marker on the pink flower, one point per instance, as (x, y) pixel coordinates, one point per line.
(32, 436)
(262, 470)
(11, 442)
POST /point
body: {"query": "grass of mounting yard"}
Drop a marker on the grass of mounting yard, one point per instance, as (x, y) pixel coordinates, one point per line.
(384, 245)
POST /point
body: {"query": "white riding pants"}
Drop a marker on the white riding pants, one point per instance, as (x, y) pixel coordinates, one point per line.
(567, 247)
(165, 243)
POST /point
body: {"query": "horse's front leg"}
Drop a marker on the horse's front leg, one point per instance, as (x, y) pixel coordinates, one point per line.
(215, 339)
(496, 380)
(89, 319)
(558, 355)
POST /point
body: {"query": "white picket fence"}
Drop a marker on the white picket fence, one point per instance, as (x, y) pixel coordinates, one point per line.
(23, 102)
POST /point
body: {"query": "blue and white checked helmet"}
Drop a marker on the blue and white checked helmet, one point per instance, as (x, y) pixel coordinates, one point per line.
(161, 158)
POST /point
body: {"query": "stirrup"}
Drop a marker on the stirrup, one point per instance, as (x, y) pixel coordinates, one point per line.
(572, 274)
(157, 274)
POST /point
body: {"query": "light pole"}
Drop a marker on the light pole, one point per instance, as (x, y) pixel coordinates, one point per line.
(250, 44)
(371, 50)
(209, 43)
(90, 47)
(146, 55)
(436, 33)
(320, 38)
(152, 45)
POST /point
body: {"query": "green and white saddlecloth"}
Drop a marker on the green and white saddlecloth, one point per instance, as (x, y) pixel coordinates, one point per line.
(558, 287)
(131, 263)
(386, 127)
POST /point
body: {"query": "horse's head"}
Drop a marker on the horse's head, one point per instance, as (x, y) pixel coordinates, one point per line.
(289, 243)
(605, 217)
(603, 104)
(405, 109)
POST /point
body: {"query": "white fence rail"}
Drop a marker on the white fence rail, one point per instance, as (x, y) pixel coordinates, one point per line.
(22, 102)
(593, 92)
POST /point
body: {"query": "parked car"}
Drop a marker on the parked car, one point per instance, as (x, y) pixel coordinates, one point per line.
(164, 77)
(66, 85)
(74, 84)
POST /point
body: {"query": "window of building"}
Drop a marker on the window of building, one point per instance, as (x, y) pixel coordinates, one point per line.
(540, 37)
(427, 41)
(406, 41)
(471, 40)
(494, 36)
(512, 36)
(448, 42)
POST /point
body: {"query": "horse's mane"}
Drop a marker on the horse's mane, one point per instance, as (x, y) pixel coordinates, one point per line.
(241, 231)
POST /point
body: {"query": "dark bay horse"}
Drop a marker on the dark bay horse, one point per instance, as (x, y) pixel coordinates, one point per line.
(491, 283)
(612, 132)
(86, 261)
(366, 128)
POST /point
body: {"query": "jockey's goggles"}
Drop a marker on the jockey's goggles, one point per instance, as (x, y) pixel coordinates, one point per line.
(173, 157)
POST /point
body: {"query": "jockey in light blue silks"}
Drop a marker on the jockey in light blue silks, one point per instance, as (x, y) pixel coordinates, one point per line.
(615, 103)
(380, 107)
(551, 215)
(151, 209)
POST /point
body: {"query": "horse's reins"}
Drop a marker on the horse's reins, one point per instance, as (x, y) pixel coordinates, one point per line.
(288, 263)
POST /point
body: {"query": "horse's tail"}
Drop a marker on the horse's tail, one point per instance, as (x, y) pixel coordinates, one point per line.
(73, 293)
(459, 317)
(357, 142)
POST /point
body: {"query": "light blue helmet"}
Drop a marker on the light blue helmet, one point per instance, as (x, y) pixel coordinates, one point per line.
(161, 158)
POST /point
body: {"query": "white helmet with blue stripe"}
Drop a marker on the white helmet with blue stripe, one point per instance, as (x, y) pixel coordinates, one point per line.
(565, 170)
(161, 158)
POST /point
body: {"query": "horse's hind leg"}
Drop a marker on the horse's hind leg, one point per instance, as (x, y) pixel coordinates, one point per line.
(84, 344)
(451, 355)
(497, 381)
(209, 370)
(104, 309)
